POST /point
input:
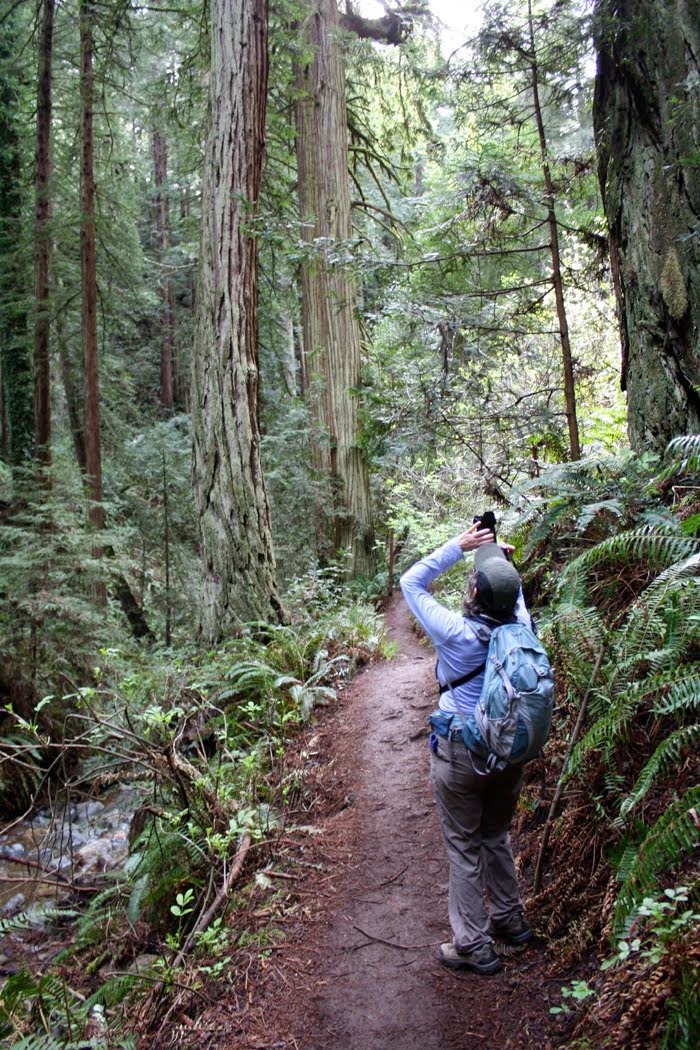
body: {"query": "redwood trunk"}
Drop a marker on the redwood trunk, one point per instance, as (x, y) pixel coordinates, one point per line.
(331, 332)
(648, 135)
(234, 520)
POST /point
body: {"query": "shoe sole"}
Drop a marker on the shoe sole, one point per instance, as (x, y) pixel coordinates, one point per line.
(462, 964)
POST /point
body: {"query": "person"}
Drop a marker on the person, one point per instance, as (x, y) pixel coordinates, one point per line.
(475, 807)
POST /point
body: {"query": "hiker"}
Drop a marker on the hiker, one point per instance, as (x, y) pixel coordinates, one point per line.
(475, 807)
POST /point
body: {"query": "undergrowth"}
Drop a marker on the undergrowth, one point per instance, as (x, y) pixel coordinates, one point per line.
(612, 550)
(203, 737)
(625, 597)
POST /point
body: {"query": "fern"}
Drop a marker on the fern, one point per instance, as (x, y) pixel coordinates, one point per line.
(16, 923)
(113, 991)
(668, 752)
(680, 696)
(592, 510)
(674, 836)
(658, 548)
(684, 452)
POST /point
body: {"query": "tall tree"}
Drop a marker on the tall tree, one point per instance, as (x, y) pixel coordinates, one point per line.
(332, 343)
(42, 240)
(93, 446)
(540, 48)
(234, 520)
(165, 285)
(554, 249)
(648, 134)
(15, 356)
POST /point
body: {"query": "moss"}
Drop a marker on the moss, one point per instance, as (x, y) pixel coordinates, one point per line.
(672, 285)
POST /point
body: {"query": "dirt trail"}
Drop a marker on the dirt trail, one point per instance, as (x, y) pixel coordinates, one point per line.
(360, 972)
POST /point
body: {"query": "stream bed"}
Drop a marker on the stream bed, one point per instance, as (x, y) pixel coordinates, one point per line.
(42, 857)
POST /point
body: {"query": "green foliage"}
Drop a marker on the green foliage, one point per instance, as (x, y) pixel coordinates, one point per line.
(649, 668)
(670, 841)
(578, 991)
(46, 1002)
(664, 925)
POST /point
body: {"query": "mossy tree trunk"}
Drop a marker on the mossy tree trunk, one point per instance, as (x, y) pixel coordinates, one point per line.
(646, 115)
(332, 343)
(234, 520)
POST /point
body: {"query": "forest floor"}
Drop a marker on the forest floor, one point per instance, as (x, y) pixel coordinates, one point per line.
(357, 968)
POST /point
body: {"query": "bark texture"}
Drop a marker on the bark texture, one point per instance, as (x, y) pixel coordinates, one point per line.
(647, 122)
(16, 404)
(234, 519)
(42, 241)
(331, 332)
(167, 310)
(88, 274)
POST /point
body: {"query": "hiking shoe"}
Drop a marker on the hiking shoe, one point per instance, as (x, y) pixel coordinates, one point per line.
(481, 960)
(516, 931)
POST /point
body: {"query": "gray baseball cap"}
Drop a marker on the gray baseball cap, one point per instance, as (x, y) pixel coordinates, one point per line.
(497, 579)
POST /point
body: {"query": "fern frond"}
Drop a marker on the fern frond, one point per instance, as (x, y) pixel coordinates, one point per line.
(684, 455)
(113, 991)
(672, 692)
(675, 835)
(592, 510)
(658, 548)
(38, 1042)
(680, 696)
(668, 752)
(18, 922)
(607, 730)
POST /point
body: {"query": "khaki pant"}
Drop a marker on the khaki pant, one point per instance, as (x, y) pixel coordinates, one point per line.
(475, 813)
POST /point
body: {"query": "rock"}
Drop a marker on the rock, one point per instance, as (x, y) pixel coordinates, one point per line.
(15, 903)
(88, 810)
(144, 962)
(15, 849)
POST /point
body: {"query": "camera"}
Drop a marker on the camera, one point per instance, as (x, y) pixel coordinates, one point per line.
(487, 520)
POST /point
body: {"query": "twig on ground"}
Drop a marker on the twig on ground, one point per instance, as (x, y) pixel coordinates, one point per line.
(392, 944)
(388, 882)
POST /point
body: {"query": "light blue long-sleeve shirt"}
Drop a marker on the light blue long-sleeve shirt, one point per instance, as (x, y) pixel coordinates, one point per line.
(459, 649)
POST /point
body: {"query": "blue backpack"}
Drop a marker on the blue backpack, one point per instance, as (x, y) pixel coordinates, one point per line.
(511, 720)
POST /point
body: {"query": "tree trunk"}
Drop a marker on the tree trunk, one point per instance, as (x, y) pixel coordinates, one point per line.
(234, 520)
(71, 392)
(42, 243)
(167, 313)
(648, 134)
(16, 409)
(557, 281)
(331, 332)
(93, 454)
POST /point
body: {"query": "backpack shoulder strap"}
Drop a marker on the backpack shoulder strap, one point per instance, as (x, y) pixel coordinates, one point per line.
(483, 631)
